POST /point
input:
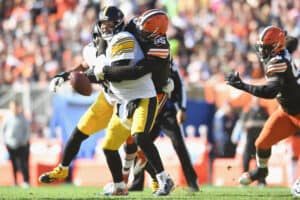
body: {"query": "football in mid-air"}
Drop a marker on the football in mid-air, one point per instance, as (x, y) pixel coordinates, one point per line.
(81, 83)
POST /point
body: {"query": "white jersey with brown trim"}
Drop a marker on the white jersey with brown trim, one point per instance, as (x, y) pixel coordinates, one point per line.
(123, 46)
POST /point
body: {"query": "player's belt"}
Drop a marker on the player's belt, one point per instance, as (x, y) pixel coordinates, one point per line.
(162, 98)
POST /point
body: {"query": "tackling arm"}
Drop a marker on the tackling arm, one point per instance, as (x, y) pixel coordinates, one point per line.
(120, 71)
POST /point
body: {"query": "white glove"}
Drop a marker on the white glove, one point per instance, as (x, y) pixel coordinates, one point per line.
(141, 162)
(169, 87)
(139, 166)
(99, 64)
(55, 83)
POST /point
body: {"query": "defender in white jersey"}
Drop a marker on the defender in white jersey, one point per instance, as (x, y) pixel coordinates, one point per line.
(138, 98)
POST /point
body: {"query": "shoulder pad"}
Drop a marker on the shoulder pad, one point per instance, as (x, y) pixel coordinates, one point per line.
(159, 48)
(123, 42)
(120, 36)
(276, 65)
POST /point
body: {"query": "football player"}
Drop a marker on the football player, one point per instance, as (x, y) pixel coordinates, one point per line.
(96, 118)
(291, 46)
(283, 83)
(150, 30)
(137, 105)
(169, 120)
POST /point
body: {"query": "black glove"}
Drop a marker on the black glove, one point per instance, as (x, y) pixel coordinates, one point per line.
(234, 80)
(131, 106)
(64, 75)
(91, 76)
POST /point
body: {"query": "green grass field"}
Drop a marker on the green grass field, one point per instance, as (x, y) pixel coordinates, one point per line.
(205, 193)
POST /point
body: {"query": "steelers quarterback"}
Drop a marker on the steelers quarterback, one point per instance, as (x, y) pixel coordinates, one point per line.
(97, 116)
(100, 111)
(150, 31)
(137, 107)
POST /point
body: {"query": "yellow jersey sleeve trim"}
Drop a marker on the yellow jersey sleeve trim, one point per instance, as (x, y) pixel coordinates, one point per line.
(124, 45)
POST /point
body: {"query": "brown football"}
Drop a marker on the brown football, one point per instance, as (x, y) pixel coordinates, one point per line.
(81, 83)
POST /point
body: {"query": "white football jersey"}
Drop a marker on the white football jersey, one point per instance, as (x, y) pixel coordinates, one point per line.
(122, 46)
(89, 55)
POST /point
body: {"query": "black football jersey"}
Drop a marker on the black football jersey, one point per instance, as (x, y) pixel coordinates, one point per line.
(282, 68)
(158, 51)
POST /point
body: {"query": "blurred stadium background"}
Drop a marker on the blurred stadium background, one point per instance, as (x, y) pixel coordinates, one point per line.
(40, 38)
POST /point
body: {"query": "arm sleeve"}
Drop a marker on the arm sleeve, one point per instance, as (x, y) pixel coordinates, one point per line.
(122, 71)
(268, 91)
(119, 71)
(179, 93)
(91, 76)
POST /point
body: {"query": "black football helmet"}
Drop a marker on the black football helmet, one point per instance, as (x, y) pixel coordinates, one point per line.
(111, 14)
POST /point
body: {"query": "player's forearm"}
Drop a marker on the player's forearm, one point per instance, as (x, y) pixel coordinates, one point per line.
(268, 91)
(179, 91)
(119, 73)
(91, 76)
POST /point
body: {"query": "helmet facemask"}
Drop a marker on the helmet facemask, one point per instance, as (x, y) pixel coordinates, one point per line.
(96, 34)
(112, 22)
(271, 43)
(264, 51)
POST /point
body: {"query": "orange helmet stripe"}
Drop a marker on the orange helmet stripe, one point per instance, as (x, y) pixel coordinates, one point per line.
(151, 13)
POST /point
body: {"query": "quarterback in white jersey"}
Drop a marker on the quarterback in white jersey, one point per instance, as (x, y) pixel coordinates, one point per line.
(95, 119)
(124, 47)
(140, 100)
(91, 57)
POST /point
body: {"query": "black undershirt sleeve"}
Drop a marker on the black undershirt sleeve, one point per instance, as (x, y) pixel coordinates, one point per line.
(119, 71)
(91, 76)
(268, 91)
(177, 93)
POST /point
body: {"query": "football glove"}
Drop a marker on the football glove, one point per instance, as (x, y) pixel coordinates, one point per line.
(169, 87)
(58, 80)
(234, 80)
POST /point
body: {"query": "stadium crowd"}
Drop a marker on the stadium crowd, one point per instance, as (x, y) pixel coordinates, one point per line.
(40, 38)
